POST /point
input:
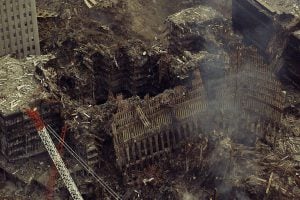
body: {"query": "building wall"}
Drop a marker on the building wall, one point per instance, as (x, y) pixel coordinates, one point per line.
(172, 117)
(128, 79)
(19, 138)
(254, 22)
(292, 58)
(18, 28)
(255, 86)
(250, 88)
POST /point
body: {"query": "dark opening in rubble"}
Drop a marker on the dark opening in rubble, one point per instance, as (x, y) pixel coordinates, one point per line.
(66, 83)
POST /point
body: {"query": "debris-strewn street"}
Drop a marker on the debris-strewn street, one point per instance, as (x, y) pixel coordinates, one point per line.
(157, 99)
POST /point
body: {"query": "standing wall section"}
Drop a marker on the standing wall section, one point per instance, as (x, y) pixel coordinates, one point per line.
(19, 138)
(173, 117)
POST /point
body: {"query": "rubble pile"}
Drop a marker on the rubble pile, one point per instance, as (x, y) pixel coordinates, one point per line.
(245, 171)
(198, 28)
(258, 171)
(283, 7)
(90, 126)
(276, 39)
(107, 3)
(18, 84)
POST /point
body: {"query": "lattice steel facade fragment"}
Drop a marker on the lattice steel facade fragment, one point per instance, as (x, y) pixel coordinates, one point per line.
(258, 91)
(146, 130)
(18, 28)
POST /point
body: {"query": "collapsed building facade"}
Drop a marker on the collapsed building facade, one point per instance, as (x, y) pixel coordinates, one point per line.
(265, 24)
(257, 89)
(131, 72)
(250, 90)
(145, 132)
(19, 138)
(247, 91)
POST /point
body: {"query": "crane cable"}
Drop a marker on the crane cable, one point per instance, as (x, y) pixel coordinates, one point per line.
(53, 171)
(84, 164)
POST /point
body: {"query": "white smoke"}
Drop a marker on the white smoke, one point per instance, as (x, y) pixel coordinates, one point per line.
(189, 196)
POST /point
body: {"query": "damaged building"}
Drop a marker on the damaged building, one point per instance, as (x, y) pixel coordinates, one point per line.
(272, 27)
(291, 56)
(19, 31)
(131, 72)
(19, 90)
(145, 130)
(257, 89)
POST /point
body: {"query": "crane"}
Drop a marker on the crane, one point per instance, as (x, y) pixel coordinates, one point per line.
(53, 171)
(44, 131)
(54, 154)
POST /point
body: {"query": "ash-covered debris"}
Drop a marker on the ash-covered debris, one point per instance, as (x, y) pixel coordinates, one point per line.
(177, 69)
(198, 28)
(18, 85)
(105, 3)
(282, 7)
(271, 26)
(90, 126)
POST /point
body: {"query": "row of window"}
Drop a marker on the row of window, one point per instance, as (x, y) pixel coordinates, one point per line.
(6, 26)
(16, 17)
(17, 3)
(17, 27)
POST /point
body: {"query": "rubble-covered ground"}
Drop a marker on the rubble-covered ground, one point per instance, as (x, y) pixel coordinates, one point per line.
(118, 33)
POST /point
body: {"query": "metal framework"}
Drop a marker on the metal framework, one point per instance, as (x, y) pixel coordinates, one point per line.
(54, 154)
(257, 89)
(53, 170)
(90, 3)
(157, 126)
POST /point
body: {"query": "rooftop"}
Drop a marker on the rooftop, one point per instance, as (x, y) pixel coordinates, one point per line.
(196, 14)
(27, 171)
(282, 6)
(18, 87)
